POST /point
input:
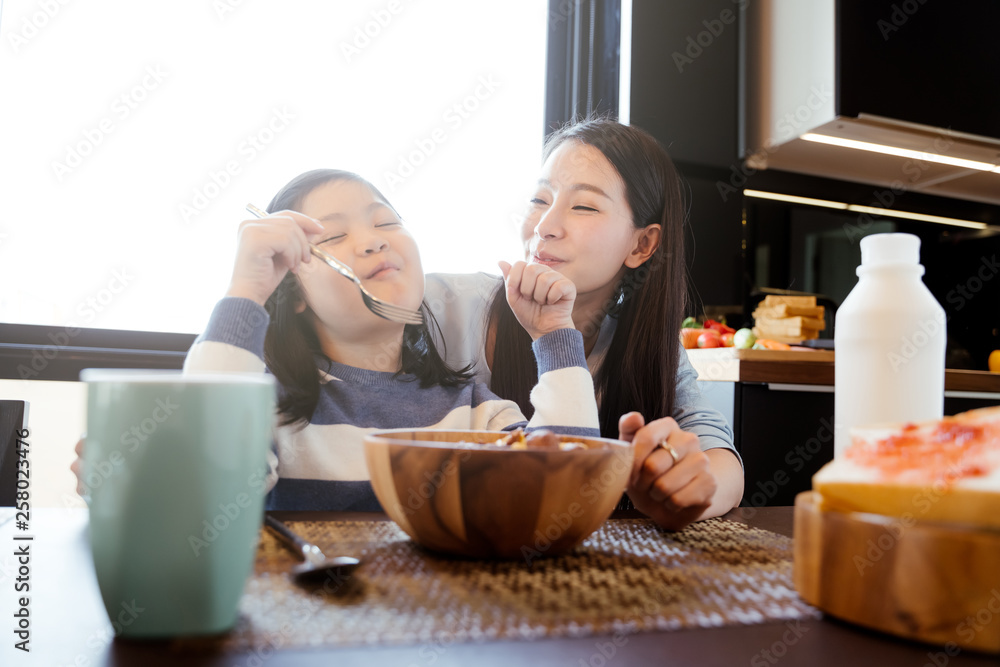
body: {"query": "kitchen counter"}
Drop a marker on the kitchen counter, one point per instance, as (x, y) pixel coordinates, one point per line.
(809, 368)
(780, 405)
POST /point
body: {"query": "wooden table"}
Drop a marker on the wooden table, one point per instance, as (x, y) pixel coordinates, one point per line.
(70, 627)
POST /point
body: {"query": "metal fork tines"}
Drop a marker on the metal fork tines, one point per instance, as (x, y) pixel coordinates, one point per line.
(373, 303)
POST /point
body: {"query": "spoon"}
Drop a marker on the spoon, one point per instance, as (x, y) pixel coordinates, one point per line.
(315, 565)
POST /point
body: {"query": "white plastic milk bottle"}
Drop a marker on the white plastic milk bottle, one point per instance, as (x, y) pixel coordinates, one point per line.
(889, 341)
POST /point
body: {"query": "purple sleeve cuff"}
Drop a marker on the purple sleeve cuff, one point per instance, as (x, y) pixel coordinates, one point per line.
(240, 322)
(562, 348)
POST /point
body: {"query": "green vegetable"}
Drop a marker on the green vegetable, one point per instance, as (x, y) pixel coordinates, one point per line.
(744, 339)
(690, 323)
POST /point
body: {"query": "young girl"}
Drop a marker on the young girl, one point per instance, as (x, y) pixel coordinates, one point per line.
(343, 371)
(608, 214)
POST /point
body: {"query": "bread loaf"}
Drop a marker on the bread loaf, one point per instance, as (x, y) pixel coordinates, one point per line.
(788, 319)
(785, 310)
(790, 326)
(781, 338)
(800, 301)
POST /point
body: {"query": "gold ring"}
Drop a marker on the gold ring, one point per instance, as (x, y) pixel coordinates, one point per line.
(670, 450)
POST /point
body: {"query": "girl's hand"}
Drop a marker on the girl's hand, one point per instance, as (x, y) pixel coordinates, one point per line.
(268, 249)
(672, 493)
(541, 298)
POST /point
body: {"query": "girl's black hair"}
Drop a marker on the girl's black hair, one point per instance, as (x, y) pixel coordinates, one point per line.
(291, 345)
(639, 371)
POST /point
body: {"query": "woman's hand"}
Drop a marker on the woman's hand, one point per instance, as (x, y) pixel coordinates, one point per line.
(541, 298)
(672, 492)
(268, 249)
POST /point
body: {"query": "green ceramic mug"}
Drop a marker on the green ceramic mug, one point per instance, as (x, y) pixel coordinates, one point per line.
(176, 470)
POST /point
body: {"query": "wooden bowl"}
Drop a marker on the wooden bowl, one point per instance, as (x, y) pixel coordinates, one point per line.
(495, 503)
(923, 580)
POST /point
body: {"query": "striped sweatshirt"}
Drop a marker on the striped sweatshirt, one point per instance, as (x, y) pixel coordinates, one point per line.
(321, 466)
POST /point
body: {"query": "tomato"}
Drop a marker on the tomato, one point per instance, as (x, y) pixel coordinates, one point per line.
(709, 339)
(719, 326)
(727, 340)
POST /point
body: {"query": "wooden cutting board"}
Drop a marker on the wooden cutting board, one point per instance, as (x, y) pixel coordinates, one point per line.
(729, 364)
(932, 582)
(723, 353)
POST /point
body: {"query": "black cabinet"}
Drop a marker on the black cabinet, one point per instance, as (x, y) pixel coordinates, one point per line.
(784, 437)
(932, 63)
(684, 78)
(685, 92)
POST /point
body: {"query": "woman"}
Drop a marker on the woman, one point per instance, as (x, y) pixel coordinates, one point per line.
(608, 214)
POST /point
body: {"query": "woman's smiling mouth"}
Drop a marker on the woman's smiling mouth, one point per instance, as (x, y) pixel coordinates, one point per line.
(545, 258)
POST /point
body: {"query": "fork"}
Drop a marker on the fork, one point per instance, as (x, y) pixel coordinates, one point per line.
(384, 310)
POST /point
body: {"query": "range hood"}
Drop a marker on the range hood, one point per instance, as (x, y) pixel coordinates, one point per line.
(877, 92)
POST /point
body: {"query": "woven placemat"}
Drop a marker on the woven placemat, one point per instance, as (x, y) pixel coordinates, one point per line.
(629, 576)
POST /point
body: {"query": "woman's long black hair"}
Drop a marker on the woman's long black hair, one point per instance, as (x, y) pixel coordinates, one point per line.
(639, 371)
(291, 345)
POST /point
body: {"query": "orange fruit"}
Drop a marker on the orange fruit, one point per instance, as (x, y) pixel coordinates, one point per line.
(995, 361)
(689, 337)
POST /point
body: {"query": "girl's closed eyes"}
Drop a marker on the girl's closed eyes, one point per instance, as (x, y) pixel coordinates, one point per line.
(382, 225)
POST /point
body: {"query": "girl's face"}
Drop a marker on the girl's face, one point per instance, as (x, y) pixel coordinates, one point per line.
(579, 222)
(364, 233)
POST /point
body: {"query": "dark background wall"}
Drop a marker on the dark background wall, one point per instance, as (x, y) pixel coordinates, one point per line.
(687, 96)
(685, 90)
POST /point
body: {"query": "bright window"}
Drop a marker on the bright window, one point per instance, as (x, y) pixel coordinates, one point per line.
(133, 134)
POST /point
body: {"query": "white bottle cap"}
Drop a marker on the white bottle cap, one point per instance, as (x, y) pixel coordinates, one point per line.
(879, 249)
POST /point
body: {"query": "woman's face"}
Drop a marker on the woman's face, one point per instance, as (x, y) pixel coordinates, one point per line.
(366, 235)
(579, 222)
